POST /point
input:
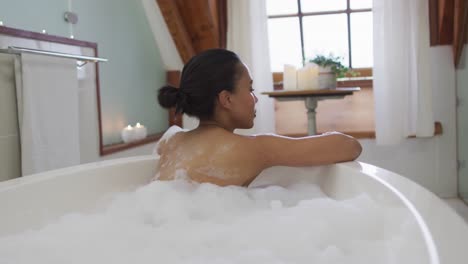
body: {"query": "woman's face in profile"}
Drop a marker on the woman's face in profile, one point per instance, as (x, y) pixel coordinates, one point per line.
(244, 100)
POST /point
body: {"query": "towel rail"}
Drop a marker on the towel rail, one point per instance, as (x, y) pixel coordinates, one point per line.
(19, 50)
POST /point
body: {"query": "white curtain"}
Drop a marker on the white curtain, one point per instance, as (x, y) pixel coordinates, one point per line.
(402, 88)
(247, 35)
(47, 94)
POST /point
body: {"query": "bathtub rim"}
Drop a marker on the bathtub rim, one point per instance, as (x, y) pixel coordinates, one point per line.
(445, 226)
(404, 188)
(395, 182)
(47, 175)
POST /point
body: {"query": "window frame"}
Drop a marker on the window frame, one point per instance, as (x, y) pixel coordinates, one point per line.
(348, 11)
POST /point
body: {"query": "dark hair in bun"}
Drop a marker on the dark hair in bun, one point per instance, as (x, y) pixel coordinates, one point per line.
(167, 96)
(203, 77)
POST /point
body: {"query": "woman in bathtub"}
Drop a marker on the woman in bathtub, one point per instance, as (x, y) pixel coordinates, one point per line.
(216, 87)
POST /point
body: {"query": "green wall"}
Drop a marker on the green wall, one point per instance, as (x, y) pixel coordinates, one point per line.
(128, 82)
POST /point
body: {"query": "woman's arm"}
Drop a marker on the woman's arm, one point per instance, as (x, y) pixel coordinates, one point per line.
(274, 150)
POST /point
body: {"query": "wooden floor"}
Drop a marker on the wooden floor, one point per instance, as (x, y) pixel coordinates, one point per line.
(353, 115)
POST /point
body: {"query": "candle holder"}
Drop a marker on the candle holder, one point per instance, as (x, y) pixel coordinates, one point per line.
(128, 134)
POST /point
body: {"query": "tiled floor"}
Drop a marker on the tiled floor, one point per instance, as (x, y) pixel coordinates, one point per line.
(459, 206)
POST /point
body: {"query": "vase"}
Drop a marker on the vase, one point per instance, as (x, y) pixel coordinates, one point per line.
(327, 78)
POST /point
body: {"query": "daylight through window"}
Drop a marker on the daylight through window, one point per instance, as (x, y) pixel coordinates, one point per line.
(301, 29)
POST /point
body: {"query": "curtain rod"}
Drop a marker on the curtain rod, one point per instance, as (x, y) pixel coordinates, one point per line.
(19, 50)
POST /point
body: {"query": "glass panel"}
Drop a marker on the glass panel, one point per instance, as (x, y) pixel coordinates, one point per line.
(321, 5)
(361, 40)
(285, 42)
(281, 7)
(326, 34)
(360, 4)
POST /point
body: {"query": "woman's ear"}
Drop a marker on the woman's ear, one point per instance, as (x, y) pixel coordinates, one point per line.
(224, 98)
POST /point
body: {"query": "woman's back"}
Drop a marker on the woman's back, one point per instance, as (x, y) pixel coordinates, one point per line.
(209, 154)
(213, 154)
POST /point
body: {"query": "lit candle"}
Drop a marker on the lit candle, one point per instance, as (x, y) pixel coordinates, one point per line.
(128, 134)
(140, 131)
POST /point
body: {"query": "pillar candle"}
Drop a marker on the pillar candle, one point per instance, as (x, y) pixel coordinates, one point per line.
(307, 77)
(289, 77)
(314, 76)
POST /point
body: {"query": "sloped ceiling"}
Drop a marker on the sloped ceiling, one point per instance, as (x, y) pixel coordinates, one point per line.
(195, 25)
(163, 39)
(449, 25)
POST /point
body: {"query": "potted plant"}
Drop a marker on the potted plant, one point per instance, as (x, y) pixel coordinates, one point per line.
(330, 68)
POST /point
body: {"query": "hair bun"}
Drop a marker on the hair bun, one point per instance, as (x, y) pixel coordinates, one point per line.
(167, 96)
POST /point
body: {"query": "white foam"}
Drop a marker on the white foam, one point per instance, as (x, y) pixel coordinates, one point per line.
(182, 222)
(181, 174)
(276, 204)
(170, 132)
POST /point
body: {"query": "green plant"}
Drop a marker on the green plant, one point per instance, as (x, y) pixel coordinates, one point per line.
(334, 63)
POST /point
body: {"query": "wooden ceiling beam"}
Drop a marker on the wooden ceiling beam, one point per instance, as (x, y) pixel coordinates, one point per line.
(195, 25)
(201, 25)
(448, 21)
(434, 22)
(460, 28)
(177, 28)
(446, 14)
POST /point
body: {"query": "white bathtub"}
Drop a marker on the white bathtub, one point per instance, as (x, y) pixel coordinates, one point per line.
(32, 201)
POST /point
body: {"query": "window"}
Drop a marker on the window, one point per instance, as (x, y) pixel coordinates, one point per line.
(300, 29)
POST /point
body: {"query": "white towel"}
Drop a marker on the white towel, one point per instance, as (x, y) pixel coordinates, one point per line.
(47, 92)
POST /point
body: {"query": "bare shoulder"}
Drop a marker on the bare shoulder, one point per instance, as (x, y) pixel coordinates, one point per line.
(169, 141)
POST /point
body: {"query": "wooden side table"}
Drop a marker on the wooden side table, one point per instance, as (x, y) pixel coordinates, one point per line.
(311, 97)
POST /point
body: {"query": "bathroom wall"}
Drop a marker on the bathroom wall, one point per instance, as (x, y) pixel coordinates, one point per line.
(462, 121)
(128, 82)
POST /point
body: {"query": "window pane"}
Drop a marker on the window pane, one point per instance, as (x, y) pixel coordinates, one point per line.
(326, 34)
(285, 42)
(322, 5)
(361, 40)
(359, 4)
(281, 7)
